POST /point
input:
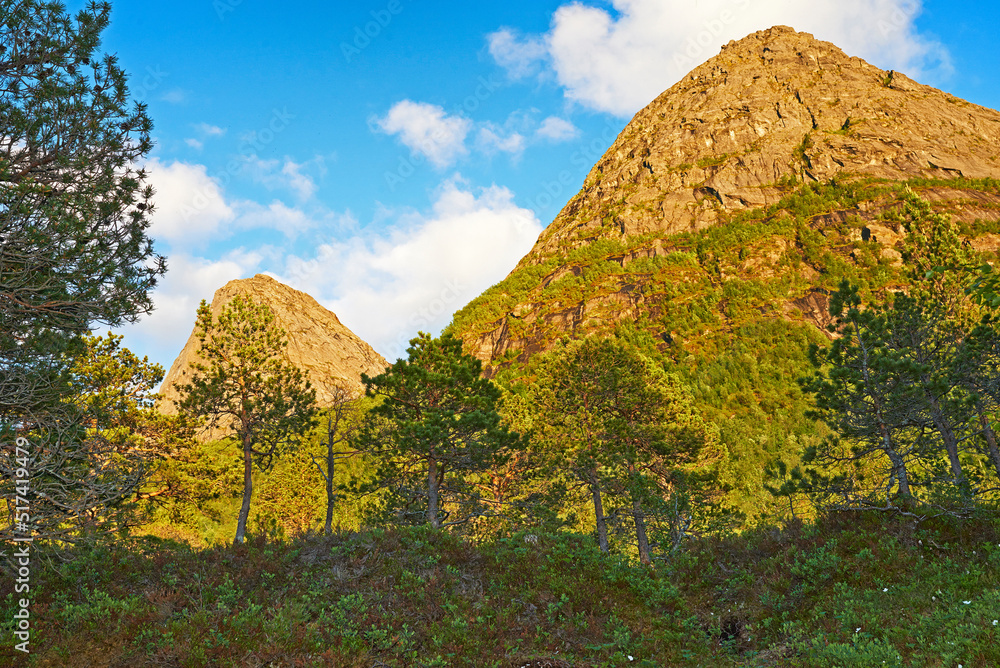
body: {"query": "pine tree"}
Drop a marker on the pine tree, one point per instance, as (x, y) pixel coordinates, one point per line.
(435, 430)
(74, 215)
(869, 395)
(623, 427)
(244, 387)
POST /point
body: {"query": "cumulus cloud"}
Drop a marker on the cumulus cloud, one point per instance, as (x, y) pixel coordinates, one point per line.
(427, 130)
(492, 139)
(189, 204)
(162, 334)
(520, 56)
(619, 62)
(191, 208)
(278, 216)
(557, 129)
(208, 130)
(415, 275)
(281, 174)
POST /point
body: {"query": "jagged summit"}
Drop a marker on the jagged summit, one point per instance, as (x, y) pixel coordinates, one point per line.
(775, 104)
(318, 342)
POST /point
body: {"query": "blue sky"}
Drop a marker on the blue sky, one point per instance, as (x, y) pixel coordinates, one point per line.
(394, 158)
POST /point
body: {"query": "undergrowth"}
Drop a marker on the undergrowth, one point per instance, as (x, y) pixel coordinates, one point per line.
(848, 590)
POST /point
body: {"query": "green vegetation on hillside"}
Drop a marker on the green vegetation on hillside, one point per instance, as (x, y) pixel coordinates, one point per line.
(724, 306)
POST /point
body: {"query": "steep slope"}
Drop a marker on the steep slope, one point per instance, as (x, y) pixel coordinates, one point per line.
(317, 341)
(771, 112)
(713, 229)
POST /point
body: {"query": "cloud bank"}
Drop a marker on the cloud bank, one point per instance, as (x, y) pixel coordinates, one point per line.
(618, 61)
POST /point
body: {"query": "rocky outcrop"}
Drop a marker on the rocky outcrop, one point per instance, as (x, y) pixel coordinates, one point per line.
(318, 342)
(772, 112)
(775, 105)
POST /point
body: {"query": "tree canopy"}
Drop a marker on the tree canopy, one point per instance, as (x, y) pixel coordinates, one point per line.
(622, 426)
(74, 215)
(245, 389)
(435, 430)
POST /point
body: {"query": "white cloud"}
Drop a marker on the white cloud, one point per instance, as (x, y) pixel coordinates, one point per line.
(189, 204)
(414, 276)
(557, 129)
(276, 174)
(492, 138)
(519, 56)
(191, 208)
(274, 216)
(175, 96)
(161, 335)
(302, 184)
(618, 64)
(194, 143)
(210, 130)
(427, 130)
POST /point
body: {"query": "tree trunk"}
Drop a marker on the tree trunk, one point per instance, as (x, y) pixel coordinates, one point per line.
(433, 514)
(640, 531)
(241, 526)
(602, 524)
(991, 437)
(947, 436)
(330, 464)
(898, 465)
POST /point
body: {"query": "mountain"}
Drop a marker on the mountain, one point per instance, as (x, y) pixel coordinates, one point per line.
(741, 133)
(714, 228)
(318, 342)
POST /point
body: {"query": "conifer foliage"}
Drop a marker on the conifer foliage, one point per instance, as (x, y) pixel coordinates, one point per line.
(247, 389)
(625, 429)
(74, 249)
(911, 384)
(435, 431)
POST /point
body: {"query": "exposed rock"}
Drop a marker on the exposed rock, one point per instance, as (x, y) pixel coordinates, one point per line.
(773, 110)
(776, 104)
(317, 341)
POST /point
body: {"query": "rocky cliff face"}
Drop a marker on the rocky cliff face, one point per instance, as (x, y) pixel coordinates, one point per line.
(774, 105)
(317, 341)
(728, 146)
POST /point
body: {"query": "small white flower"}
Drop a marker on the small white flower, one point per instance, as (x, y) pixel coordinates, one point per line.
(857, 630)
(966, 602)
(886, 589)
(630, 657)
(933, 598)
(995, 622)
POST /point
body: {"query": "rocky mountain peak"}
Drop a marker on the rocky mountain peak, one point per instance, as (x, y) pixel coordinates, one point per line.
(778, 104)
(318, 342)
(741, 196)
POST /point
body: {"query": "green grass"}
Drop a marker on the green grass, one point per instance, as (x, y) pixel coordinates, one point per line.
(851, 590)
